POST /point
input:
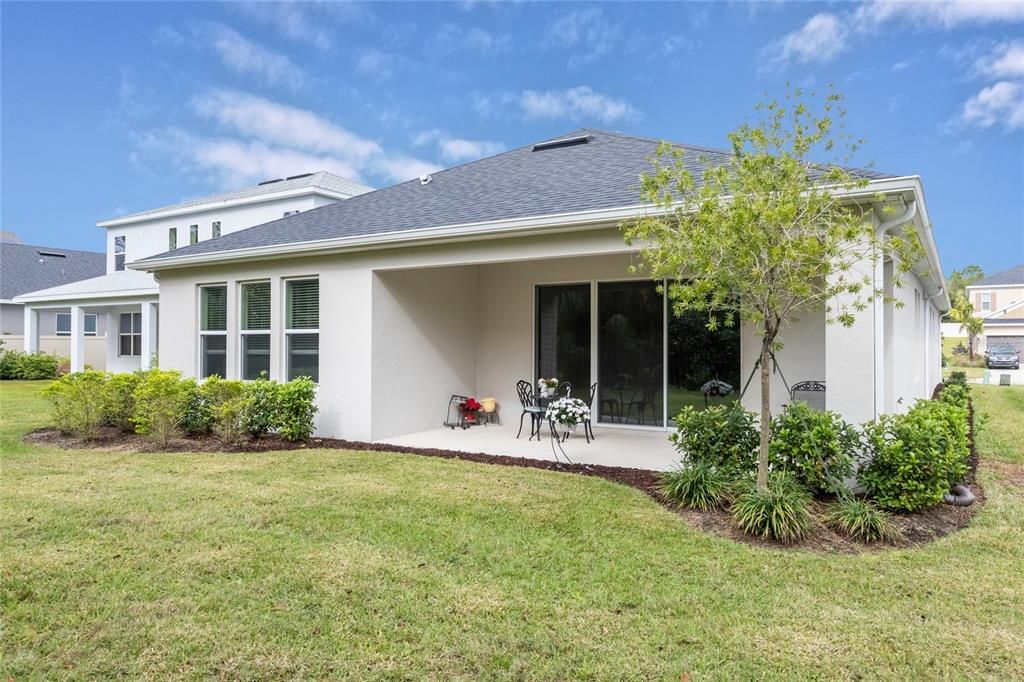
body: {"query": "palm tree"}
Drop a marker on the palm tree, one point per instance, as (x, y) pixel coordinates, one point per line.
(963, 312)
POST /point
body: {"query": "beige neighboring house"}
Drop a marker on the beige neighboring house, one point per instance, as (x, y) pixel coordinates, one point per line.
(999, 301)
(25, 268)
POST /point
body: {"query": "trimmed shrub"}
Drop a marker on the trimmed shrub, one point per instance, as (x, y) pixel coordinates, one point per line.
(955, 394)
(698, 485)
(77, 402)
(296, 409)
(196, 413)
(780, 513)
(15, 364)
(159, 398)
(724, 436)
(917, 456)
(957, 377)
(261, 410)
(818, 448)
(861, 520)
(228, 403)
(118, 400)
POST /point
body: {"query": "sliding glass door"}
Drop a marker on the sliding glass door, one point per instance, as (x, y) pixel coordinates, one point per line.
(631, 356)
(563, 335)
(648, 363)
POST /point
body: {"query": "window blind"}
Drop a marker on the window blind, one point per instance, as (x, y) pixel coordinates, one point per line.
(256, 305)
(303, 304)
(214, 308)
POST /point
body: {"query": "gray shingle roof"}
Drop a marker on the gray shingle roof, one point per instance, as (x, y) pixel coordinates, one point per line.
(1014, 275)
(520, 183)
(323, 179)
(25, 268)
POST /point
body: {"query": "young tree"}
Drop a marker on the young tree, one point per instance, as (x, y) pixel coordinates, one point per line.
(766, 234)
(957, 283)
(963, 312)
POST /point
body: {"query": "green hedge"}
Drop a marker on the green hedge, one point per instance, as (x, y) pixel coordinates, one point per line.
(15, 364)
(722, 436)
(817, 447)
(162, 404)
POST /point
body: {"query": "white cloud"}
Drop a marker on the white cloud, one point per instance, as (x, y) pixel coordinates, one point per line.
(587, 31)
(246, 57)
(827, 35)
(578, 103)
(376, 64)
(454, 37)
(309, 23)
(998, 104)
(1006, 61)
(264, 139)
(821, 39)
(456, 149)
(903, 65)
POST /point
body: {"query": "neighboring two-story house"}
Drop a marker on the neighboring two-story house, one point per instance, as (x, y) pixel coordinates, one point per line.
(25, 268)
(127, 301)
(999, 301)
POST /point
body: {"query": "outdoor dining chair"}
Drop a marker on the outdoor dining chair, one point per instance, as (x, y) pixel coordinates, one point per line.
(530, 407)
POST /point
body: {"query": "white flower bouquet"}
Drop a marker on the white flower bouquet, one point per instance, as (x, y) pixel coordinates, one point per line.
(568, 411)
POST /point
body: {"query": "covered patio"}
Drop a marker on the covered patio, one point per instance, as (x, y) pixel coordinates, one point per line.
(633, 448)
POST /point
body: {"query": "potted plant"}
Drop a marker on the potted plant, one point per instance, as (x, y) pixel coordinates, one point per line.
(547, 387)
(568, 413)
(470, 409)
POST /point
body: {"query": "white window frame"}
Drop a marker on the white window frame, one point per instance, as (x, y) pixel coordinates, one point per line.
(120, 256)
(193, 234)
(85, 325)
(986, 301)
(242, 333)
(212, 332)
(172, 238)
(133, 333)
(285, 360)
(215, 229)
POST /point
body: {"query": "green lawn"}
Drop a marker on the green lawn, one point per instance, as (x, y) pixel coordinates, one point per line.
(328, 564)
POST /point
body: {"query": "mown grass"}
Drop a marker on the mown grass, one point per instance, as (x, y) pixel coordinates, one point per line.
(1001, 434)
(333, 564)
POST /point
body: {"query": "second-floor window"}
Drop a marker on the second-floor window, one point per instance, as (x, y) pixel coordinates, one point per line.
(986, 301)
(119, 252)
(215, 231)
(193, 234)
(172, 239)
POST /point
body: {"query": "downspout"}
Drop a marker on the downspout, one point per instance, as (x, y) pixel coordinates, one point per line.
(879, 363)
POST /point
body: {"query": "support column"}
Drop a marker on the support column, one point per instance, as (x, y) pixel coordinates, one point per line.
(149, 338)
(31, 334)
(277, 303)
(113, 341)
(77, 338)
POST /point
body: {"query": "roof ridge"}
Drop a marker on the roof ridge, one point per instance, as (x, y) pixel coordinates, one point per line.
(53, 248)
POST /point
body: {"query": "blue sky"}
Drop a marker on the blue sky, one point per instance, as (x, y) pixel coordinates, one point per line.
(109, 108)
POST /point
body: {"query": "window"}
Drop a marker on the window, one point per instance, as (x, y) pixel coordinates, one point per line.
(172, 239)
(193, 234)
(563, 335)
(119, 252)
(302, 328)
(630, 346)
(213, 330)
(64, 324)
(130, 335)
(215, 230)
(986, 301)
(255, 329)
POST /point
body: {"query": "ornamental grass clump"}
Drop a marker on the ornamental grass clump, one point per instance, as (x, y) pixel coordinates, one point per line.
(698, 485)
(861, 520)
(817, 447)
(781, 512)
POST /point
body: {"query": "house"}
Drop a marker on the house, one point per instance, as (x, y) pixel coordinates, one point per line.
(24, 268)
(999, 301)
(513, 267)
(127, 300)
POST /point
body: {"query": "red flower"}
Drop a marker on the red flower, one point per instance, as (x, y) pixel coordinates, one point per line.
(471, 406)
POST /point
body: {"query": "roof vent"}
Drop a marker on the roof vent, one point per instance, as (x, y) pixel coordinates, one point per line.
(52, 254)
(561, 142)
(296, 177)
(425, 179)
(270, 182)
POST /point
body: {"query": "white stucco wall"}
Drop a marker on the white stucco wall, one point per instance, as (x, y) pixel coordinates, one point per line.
(802, 358)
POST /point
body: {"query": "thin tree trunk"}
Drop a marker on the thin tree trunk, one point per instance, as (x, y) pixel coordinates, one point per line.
(766, 415)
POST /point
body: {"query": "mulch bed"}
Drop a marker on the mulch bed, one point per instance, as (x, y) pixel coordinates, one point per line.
(918, 527)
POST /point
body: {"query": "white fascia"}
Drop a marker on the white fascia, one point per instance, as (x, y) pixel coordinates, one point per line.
(213, 205)
(516, 227)
(986, 287)
(100, 296)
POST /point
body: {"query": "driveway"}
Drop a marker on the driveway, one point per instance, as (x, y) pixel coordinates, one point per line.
(992, 376)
